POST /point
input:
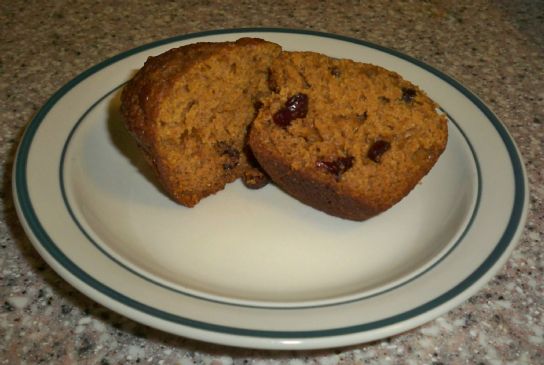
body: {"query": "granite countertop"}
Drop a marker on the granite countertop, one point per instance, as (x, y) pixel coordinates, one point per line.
(495, 48)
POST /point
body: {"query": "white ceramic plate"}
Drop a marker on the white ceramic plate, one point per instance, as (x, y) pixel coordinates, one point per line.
(257, 268)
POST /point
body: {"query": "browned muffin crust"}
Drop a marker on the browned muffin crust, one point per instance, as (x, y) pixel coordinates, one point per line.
(364, 142)
(189, 109)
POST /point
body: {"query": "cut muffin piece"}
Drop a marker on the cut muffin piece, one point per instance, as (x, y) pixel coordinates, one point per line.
(189, 109)
(348, 138)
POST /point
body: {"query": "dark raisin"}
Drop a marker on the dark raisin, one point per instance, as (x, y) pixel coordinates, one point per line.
(377, 149)
(295, 107)
(335, 71)
(362, 117)
(337, 166)
(408, 95)
(384, 99)
(232, 154)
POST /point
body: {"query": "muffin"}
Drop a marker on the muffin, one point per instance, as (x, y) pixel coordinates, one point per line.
(347, 138)
(189, 109)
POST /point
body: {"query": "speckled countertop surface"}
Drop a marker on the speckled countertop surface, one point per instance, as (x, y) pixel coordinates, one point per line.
(495, 48)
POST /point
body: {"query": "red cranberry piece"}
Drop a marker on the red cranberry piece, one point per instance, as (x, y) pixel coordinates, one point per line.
(377, 149)
(282, 117)
(337, 166)
(297, 105)
(408, 95)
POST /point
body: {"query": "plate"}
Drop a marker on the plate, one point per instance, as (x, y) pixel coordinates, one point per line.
(257, 268)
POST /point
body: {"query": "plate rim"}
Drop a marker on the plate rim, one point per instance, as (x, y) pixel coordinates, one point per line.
(33, 227)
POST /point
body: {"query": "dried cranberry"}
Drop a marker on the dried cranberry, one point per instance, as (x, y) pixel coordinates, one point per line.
(337, 166)
(377, 149)
(282, 117)
(295, 107)
(408, 95)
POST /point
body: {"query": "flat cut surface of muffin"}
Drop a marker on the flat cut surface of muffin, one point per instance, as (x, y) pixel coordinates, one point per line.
(348, 138)
(189, 109)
